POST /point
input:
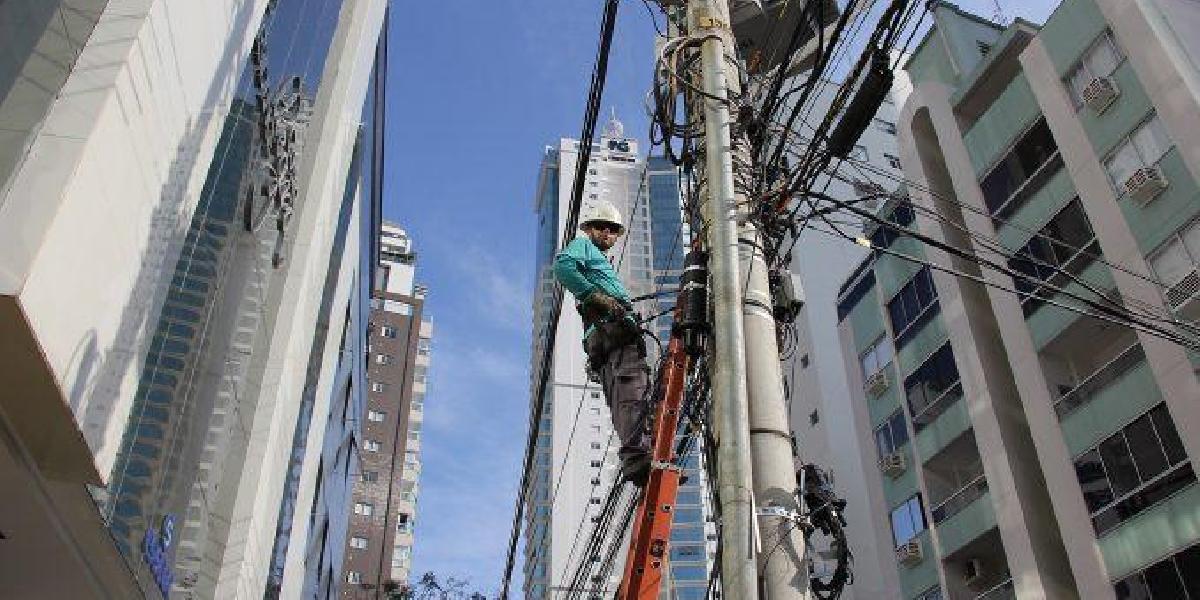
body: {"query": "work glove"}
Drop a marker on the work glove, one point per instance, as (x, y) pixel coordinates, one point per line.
(610, 305)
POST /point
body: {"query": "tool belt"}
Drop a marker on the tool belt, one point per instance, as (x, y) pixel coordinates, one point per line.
(609, 336)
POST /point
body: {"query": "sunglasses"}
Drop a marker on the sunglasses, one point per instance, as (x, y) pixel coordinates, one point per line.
(607, 228)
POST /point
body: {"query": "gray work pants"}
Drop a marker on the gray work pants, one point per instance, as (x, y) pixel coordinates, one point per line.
(624, 378)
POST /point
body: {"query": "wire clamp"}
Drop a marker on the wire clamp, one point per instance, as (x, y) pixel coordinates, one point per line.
(711, 22)
(666, 466)
(779, 512)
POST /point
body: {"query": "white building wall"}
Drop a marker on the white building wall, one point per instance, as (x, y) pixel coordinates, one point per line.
(838, 441)
(123, 151)
(322, 455)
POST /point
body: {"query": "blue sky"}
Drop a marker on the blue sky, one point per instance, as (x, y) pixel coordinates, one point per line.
(476, 90)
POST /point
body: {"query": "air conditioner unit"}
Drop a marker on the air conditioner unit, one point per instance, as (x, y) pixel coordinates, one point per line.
(1100, 93)
(893, 465)
(876, 383)
(972, 571)
(1145, 184)
(1184, 296)
(909, 553)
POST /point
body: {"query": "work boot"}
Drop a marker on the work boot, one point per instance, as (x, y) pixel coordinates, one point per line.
(636, 469)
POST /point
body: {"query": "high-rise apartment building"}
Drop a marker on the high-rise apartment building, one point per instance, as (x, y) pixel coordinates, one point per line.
(384, 499)
(179, 261)
(1025, 449)
(576, 462)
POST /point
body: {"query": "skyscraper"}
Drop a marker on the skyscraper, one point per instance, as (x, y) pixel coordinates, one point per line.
(1026, 449)
(384, 498)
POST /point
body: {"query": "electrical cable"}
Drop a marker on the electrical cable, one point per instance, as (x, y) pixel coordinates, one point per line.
(595, 94)
(1114, 316)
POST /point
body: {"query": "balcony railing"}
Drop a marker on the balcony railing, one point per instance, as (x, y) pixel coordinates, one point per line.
(1002, 591)
(1028, 188)
(928, 413)
(1098, 380)
(960, 499)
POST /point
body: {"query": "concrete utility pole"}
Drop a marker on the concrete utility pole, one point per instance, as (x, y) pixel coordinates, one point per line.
(781, 562)
(749, 403)
(730, 414)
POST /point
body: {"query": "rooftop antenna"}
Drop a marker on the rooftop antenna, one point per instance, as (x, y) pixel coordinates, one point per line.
(614, 128)
(998, 15)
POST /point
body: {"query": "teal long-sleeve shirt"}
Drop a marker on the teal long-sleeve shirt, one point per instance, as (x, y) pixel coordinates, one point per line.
(582, 268)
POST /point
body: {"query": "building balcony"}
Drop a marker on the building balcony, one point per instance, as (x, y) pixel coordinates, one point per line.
(965, 518)
(1002, 591)
(960, 499)
(1028, 189)
(942, 422)
(1122, 376)
(1049, 323)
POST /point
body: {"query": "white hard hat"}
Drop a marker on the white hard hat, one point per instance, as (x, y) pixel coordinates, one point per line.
(602, 211)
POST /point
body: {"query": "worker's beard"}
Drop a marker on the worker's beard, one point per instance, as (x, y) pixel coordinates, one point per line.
(603, 242)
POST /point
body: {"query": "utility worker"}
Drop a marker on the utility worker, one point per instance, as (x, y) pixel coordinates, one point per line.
(612, 338)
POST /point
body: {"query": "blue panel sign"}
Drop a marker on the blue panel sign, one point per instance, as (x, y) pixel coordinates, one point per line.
(156, 546)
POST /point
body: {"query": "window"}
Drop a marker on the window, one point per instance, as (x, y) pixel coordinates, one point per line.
(878, 356)
(1099, 60)
(365, 509)
(892, 160)
(1177, 258)
(1143, 148)
(419, 373)
(886, 126)
(892, 434)
(595, 464)
(403, 523)
(383, 359)
(353, 577)
(932, 387)
(1064, 247)
(595, 445)
(594, 501)
(859, 153)
(387, 331)
(814, 417)
(883, 236)
(908, 520)
(1021, 171)
(369, 476)
(1133, 469)
(423, 347)
(378, 386)
(400, 308)
(984, 48)
(912, 306)
(358, 542)
(375, 415)
(371, 445)
(1176, 576)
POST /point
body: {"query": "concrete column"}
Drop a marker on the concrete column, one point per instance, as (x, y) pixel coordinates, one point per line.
(935, 156)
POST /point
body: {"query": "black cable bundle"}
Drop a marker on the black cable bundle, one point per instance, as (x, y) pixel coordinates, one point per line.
(876, 84)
